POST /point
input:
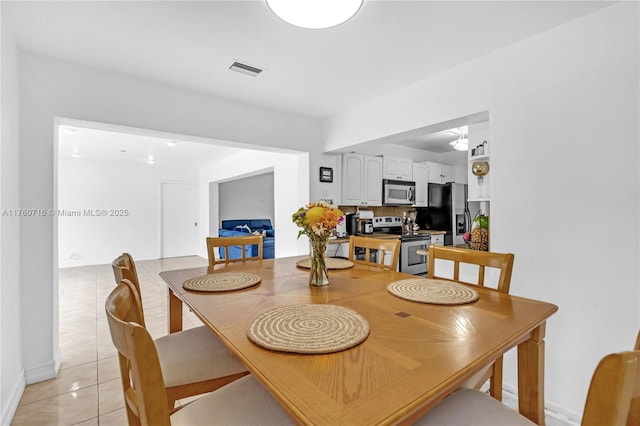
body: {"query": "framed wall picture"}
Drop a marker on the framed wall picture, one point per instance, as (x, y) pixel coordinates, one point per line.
(326, 174)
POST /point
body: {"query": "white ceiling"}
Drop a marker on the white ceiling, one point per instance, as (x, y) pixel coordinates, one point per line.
(105, 145)
(317, 73)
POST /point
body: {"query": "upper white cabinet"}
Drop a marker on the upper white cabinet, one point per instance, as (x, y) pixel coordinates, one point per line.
(398, 168)
(440, 173)
(361, 180)
(420, 176)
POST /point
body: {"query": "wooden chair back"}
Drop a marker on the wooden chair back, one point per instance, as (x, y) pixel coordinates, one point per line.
(226, 242)
(124, 268)
(380, 244)
(142, 384)
(615, 384)
(484, 259)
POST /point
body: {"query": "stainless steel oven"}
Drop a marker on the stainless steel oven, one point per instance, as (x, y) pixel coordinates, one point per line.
(410, 261)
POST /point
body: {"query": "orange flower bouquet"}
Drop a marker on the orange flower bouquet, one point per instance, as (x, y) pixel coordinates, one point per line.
(316, 221)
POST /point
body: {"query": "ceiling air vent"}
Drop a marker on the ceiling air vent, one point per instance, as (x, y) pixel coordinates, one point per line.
(245, 69)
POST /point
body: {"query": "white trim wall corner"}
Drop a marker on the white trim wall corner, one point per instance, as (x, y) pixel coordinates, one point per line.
(12, 373)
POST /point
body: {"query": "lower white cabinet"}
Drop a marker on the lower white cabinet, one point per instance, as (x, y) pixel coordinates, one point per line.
(338, 250)
(437, 239)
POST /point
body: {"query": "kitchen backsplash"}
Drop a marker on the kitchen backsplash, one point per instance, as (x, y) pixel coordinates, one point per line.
(380, 211)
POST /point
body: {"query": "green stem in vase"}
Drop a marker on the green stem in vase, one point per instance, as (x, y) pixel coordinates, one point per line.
(318, 275)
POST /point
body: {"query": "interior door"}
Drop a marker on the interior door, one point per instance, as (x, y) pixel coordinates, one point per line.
(179, 219)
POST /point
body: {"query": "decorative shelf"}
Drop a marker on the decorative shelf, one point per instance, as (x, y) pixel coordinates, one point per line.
(484, 157)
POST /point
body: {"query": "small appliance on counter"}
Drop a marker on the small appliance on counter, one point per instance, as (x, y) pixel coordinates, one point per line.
(366, 222)
(351, 223)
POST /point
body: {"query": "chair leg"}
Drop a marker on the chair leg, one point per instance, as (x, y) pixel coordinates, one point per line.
(495, 382)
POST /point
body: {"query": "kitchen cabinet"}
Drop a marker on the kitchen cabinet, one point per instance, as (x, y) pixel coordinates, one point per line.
(437, 239)
(440, 173)
(338, 250)
(361, 180)
(420, 173)
(396, 168)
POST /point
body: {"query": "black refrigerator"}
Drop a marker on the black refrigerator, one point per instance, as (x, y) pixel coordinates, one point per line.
(447, 210)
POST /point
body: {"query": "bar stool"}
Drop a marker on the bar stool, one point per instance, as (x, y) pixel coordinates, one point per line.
(424, 252)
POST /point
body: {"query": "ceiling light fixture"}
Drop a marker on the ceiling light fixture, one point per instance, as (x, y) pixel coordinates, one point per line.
(172, 143)
(460, 144)
(151, 160)
(315, 14)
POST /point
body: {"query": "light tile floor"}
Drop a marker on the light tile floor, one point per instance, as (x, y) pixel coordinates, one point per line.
(87, 390)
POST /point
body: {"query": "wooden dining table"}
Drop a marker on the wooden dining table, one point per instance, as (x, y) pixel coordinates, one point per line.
(414, 356)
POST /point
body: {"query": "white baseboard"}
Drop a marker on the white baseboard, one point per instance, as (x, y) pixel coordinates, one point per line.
(68, 263)
(44, 371)
(11, 404)
(554, 414)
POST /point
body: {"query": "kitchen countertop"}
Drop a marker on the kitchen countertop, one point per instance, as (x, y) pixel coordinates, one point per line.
(386, 236)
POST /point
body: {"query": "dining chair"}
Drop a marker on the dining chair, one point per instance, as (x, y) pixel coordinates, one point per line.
(483, 260)
(382, 245)
(614, 384)
(245, 401)
(194, 360)
(227, 242)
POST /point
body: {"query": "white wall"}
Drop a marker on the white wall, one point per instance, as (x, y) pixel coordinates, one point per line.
(50, 89)
(96, 185)
(565, 178)
(12, 380)
(288, 197)
(247, 198)
(324, 190)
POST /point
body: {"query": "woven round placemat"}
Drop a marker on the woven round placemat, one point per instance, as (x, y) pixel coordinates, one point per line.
(309, 329)
(331, 262)
(222, 281)
(437, 292)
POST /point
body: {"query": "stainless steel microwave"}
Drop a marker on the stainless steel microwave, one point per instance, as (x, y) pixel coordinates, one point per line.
(398, 192)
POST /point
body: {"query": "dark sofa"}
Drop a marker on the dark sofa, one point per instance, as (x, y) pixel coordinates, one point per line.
(244, 227)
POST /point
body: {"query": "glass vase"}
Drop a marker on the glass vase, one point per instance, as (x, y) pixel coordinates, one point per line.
(318, 275)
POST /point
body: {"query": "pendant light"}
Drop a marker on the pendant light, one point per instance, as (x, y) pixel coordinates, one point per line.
(460, 144)
(315, 14)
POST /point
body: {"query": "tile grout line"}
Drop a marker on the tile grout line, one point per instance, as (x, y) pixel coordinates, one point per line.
(97, 352)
